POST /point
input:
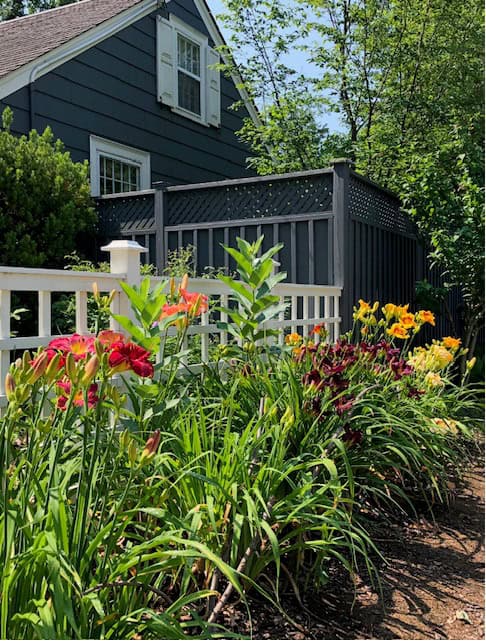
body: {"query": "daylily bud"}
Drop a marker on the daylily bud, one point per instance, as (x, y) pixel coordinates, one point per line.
(124, 440)
(26, 358)
(96, 292)
(110, 298)
(92, 367)
(53, 369)
(18, 363)
(172, 287)
(71, 367)
(150, 447)
(470, 364)
(288, 418)
(9, 386)
(38, 367)
(132, 451)
(184, 281)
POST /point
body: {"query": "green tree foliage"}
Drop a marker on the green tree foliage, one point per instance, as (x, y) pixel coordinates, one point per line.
(407, 81)
(16, 8)
(44, 198)
(290, 136)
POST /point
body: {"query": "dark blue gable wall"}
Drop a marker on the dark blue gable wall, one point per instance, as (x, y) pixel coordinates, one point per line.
(110, 91)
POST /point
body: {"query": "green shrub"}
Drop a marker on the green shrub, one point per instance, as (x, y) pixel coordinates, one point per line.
(45, 198)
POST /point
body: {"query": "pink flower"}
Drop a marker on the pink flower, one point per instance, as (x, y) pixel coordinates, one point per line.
(79, 346)
(107, 337)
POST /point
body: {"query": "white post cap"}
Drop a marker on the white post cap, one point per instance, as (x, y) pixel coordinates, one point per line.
(125, 245)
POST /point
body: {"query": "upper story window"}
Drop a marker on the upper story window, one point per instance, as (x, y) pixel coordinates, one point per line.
(188, 75)
(117, 168)
(186, 78)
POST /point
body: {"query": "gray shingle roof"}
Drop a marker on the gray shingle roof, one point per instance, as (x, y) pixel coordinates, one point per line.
(25, 39)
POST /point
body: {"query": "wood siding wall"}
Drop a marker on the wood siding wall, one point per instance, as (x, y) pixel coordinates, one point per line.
(110, 91)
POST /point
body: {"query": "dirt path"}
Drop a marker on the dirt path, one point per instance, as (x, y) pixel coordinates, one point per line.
(433, 584)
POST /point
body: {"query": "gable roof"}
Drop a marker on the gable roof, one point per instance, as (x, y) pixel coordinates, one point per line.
(29, 37)
(33, 45)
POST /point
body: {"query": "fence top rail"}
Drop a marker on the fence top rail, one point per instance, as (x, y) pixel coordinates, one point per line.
(29, 279)
(215, 286)
(230, 182)
(127, 194)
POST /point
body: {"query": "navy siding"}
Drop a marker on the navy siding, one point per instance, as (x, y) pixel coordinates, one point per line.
(110, 91)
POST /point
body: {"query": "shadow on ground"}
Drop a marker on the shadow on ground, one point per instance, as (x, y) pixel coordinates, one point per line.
(433, 584)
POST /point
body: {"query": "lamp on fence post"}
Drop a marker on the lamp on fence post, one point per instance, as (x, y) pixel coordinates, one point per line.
(124, 261)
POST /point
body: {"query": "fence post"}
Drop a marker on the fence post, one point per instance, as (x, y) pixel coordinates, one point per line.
(125, 261)
(343, 259)
(5, 310)
(159, 207)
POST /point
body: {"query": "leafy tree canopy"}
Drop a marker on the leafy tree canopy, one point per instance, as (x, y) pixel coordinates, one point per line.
(407, 79)
(44, 198)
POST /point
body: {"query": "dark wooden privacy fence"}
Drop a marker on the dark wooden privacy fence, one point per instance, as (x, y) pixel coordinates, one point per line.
(337, 227)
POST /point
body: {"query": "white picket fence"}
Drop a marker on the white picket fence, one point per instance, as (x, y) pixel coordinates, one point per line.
(308, 305)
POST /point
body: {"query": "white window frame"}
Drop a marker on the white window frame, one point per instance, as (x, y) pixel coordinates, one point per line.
(186, 31)
(104, 147)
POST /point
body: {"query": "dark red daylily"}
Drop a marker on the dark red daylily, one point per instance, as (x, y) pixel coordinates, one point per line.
(128, 356)
(343, 404)
(312, 378)
(352, 436)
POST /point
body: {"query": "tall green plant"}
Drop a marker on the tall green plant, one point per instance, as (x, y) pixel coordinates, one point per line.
(256, 304)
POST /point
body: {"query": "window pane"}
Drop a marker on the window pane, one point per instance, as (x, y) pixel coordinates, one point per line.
(117, 176)
(188, 55)
(189, 93)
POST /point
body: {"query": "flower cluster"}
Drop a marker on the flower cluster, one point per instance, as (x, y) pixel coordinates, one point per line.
(73, 362)
(397, 320)
(183, 305)
(334, 368)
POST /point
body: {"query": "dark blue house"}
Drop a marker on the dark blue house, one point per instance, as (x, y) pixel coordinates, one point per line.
(130, 85)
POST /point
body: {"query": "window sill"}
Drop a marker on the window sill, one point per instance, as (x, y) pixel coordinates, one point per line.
(191, 116)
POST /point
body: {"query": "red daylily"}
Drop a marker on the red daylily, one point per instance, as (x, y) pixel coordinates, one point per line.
(128, 356)
(65, 387)
(198, 302)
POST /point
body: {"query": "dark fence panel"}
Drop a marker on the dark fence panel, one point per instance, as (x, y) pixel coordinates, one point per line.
(129, 216)
(337, 227)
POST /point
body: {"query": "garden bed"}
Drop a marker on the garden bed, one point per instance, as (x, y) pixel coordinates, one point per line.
(434, 574)
(141, 499)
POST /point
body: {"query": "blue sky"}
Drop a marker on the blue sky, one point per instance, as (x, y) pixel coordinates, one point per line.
(298, 61)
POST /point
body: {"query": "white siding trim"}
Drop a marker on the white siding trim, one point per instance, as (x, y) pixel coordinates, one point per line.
(98, 146)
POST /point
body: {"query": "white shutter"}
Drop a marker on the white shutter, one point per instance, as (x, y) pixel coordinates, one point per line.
(166, 90)
(213, 92)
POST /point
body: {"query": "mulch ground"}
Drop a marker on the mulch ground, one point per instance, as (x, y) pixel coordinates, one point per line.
(433, 584)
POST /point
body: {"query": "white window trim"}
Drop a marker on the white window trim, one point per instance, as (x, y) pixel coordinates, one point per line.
(201, 40)
(102, 146)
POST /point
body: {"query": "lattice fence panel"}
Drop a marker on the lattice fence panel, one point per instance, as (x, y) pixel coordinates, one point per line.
(260, 199)
(377, 207)
(124, 216)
